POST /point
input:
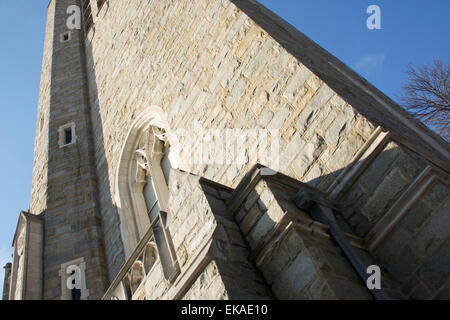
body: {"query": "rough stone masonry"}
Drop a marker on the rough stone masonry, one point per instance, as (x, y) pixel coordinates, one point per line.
(227, 231)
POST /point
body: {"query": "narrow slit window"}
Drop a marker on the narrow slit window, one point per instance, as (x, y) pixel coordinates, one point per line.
(66, 36)
(67, 134)
(76, 294)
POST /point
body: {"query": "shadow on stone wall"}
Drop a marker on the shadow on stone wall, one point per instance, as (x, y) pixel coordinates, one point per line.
(414, 252)
(114, 250)
(72, 222)
(365, 201)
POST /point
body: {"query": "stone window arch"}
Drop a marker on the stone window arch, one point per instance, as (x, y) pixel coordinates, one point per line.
(141, 191)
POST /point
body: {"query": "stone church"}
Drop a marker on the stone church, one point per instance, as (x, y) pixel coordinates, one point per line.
(208, 150)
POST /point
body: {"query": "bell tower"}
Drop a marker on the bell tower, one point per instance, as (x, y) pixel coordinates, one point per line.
(64, 188)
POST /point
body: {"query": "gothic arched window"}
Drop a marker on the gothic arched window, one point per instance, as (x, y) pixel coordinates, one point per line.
(152, 172)
(142, 186)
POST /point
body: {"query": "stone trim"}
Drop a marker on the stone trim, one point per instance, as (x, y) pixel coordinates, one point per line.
(183, 281)
(372, 148)
(192, 270)
(268, 247)
(27, 216)
(90, 35)
(128, 264)
(414, 192)
(26, 225)
(247, 185)
(61, 134)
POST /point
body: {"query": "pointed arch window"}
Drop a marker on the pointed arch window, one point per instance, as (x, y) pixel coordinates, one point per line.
(142, 184)
(151, 192)
(152, 171)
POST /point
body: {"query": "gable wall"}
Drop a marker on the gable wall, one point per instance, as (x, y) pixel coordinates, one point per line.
(208, 65)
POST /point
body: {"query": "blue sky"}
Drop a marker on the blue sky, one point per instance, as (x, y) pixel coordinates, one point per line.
(22, 27)
(412, 32)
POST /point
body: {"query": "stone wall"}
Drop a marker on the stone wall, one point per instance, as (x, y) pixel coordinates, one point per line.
(387, 177)
(208, 286)
(416, 253)
(34, 253)
(68, 192)
(212, 66)
(212, 254)
(38, 201)
(220, 64)
(296, 254)
(358, 92)
(229, 275)
(271, 249)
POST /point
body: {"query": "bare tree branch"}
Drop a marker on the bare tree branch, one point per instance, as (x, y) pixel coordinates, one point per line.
(426, 95)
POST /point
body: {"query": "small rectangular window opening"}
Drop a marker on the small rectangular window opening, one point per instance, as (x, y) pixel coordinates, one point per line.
(66, 36)
(68, 135)
(76, 294)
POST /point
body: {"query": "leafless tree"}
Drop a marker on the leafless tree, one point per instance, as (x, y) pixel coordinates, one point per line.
(426, 95)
